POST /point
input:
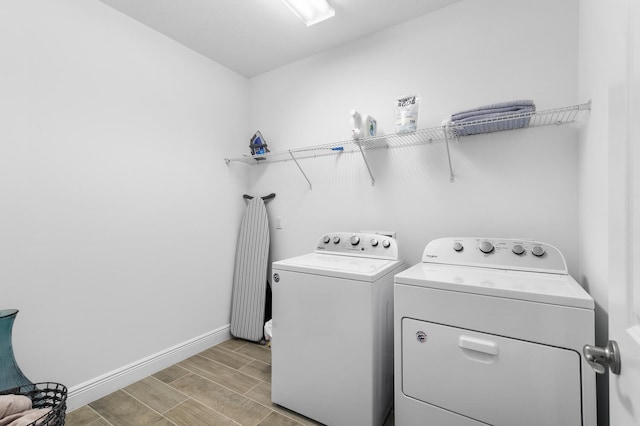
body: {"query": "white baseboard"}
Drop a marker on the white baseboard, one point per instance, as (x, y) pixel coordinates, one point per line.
(94, 389)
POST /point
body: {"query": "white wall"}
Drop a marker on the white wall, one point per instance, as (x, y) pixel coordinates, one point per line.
(511, 184)
(604, 52)
(119, 215)
(595, 65)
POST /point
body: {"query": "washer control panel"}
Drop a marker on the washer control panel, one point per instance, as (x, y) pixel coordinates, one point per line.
(500, 253)
(358, 244)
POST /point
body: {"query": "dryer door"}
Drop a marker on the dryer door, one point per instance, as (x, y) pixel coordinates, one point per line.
(493, 379)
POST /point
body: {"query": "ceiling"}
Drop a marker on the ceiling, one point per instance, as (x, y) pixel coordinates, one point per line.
(251, 37)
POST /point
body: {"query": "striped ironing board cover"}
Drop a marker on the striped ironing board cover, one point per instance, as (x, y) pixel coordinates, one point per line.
(250, 273)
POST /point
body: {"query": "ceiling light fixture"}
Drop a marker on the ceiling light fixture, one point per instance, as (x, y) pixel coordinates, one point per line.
(311, 11)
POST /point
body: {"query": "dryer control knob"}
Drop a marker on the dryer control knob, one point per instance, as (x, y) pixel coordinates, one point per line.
(336, 240)
(386, 243)
(457, 246)
(326, 239)
(517, 249)
(374, 242)
(537, 251)
(486, 247)
(355, 240)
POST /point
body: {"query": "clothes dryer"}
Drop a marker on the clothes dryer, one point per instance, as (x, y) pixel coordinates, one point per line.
(491, 331)
(332, 345)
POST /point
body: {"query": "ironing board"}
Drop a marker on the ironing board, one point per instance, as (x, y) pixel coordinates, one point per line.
(250, 273)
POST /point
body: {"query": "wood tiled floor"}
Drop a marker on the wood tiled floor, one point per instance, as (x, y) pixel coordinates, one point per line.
(228, 384)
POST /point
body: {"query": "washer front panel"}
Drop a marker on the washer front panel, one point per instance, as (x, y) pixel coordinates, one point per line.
(332, 350)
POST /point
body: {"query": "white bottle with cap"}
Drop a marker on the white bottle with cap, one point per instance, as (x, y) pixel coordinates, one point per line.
(356, 124)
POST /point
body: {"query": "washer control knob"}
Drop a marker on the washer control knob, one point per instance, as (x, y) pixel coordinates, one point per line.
(537, 251)
(374, 242)
(457, 246)
(336, 239)
(486, 247)
(517, 249)
(326, 239)
(355, 240)
(386, 243)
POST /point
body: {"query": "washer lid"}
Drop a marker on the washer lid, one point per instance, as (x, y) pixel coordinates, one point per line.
(555, 289)
(332, 265)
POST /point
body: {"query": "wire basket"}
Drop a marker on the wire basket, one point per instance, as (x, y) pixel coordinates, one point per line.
(44, 395)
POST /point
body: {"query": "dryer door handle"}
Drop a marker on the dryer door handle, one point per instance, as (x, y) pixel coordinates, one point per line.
(478, 345)
(601, 358)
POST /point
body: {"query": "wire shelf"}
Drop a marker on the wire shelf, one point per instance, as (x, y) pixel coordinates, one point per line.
(446, 132)
(418, 137)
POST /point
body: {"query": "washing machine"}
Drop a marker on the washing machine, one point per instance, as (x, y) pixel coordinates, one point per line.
(332, 345)
(491, 331)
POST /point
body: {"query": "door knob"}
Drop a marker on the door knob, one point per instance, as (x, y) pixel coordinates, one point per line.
(600, 358)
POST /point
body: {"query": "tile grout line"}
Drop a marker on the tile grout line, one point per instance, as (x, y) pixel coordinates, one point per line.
(204, 405)
(232, 369)
(257, 384)
(215, 411)
(228, 389)
(177, 378)
(100, 417)
(241, 346)
(229, 351)
(284, 413)
(149, 407)
(213, 381)
(257, 345)
(170, 421)
(173, 389)
(265, 417)
(251, 359)
(257, 369)
(228, 366)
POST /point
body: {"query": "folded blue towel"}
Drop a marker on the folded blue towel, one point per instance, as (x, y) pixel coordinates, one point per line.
(495, 108)
(476, 115)
(493, 114)
(480, 126)
(488, 118)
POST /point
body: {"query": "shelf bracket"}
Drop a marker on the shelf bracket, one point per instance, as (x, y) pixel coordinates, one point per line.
(300, 168)
(445, 130)
(366, 163)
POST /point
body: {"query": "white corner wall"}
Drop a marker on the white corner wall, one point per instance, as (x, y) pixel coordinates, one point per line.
(599, 64)
(520, 184)
(119, 215)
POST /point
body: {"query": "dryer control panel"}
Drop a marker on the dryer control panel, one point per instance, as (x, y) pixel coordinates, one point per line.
(358, 244)
(499, 253)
